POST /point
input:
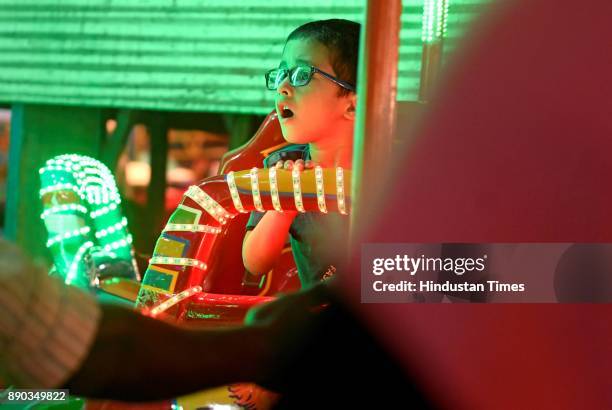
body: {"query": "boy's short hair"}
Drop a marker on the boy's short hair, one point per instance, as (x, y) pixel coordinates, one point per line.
(341, 37)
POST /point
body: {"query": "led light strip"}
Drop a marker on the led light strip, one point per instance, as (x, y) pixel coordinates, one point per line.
(297, 189)
(274, 189)
(112, 229)
(165, 260)
(104, 210)
(55, 168)
(67, 235)
(72, 271)
(320, 189)
(122, 243)
(192, 228)
(340, 190)
(210, 205)
(179, 297)
(231, 183)
(60, 187)
(255, 190)
(63, 208)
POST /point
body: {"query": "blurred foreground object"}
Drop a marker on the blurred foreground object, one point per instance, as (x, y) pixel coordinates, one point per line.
(515, 148)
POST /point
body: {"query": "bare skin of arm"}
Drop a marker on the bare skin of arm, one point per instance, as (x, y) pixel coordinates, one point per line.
(263, 245)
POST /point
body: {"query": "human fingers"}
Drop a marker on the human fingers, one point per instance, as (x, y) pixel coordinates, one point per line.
(288, 165)
(299, 164)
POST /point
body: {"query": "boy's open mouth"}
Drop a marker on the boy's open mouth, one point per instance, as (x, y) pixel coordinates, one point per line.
(286, 112)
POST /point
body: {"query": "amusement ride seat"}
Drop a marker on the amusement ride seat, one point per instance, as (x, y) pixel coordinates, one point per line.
(196, 271)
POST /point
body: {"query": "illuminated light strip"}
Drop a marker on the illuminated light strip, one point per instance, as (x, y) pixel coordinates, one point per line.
(60, 187)
(78, 176)
(104, 210)
(112, 229)
(435, 17)
(94, 180)
(210, 205)
(72, 271)
(340, 190)
(320, 189)
(439, 11)
(179, 297)
(297, 189)
(192, 228)
(255, 190)
(231, 183)
(55, 168)
(442, 18)
(274, 189)
(67, 235)
(425, 20)
(63, 208)
(165, 260)
(121, 243)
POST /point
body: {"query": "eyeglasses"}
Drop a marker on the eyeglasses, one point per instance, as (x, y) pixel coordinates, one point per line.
(299, 76)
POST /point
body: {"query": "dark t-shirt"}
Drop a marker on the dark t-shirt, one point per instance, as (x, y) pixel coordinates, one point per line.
(318, 241)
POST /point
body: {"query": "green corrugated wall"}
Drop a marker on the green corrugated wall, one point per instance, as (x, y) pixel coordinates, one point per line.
(461, 14)
(184, 55)
(161, 54)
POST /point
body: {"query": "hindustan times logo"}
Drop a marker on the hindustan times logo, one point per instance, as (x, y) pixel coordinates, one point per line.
(412, 265)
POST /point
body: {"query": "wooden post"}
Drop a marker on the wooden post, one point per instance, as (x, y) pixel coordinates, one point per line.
(156, 192)
(376, 103)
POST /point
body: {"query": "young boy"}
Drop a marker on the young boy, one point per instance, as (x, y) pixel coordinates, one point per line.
(315, 100)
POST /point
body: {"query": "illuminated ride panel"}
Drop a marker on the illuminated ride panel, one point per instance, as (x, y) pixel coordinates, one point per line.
(87, 232)
(183, 267)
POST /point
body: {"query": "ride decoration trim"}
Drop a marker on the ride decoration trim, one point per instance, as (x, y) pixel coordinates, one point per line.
(210, 205)
(320, 189)
(63, 208)
(61, 186)
(168, 303)
(183, 245)
(231, 183)
(112, 229)
(297, 190)
(340, 191)
(274, 189)
(163, 260)
(255, 190)
(74, 266)
(68, 235)
(192, 228)
(81, 211)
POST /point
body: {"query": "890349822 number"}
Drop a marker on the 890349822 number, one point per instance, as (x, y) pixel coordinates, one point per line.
(24, 395)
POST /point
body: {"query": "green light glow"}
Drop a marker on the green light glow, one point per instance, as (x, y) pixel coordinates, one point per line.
(435, 13)
(81, 211)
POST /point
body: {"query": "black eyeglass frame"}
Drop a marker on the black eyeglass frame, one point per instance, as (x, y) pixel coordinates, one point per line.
(313, 70)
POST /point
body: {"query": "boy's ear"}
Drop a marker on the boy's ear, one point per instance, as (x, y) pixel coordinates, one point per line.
(351, 107)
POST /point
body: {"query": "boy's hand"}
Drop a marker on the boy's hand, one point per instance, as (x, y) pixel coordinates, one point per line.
(300, 164)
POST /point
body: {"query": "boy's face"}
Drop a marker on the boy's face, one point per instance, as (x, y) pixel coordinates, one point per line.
(318, 110)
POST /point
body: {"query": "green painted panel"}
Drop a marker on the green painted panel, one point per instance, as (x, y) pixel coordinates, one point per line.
(186, 55)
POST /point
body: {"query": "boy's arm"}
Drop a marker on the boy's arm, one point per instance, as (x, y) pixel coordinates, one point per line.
(263, 245)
